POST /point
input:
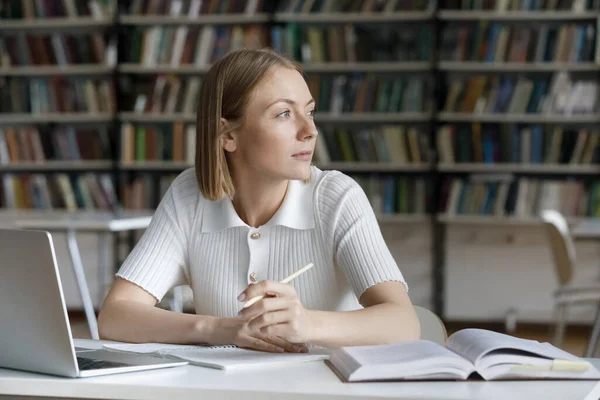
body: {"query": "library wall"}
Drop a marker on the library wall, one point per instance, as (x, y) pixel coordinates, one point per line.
(476, 114)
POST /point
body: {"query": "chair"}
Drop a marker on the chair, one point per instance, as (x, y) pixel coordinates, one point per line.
(432, 327)
(567, 293)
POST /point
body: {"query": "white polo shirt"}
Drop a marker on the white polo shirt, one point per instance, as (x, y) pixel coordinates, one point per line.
(204, 244)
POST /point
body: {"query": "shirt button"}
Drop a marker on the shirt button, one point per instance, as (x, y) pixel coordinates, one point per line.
(254, 277)
(255, 235)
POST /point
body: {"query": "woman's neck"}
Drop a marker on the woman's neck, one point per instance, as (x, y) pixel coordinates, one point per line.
(257, 199)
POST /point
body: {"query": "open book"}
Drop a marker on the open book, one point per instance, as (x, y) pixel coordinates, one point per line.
(220, 357)
(492, 355)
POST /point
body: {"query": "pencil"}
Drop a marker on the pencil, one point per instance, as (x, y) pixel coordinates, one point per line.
(285, 280)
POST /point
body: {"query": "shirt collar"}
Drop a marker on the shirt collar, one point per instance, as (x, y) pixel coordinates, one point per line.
(295, 212)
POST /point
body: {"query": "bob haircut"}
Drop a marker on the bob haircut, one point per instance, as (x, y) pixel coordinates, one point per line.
(225, 93)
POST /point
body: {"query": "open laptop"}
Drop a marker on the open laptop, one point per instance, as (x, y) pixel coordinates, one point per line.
(35, 334)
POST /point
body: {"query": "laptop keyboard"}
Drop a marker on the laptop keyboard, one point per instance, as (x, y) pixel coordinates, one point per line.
(87, 364)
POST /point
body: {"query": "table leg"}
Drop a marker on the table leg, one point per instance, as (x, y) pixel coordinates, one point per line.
(84, 291)
(103, 264)
(594, 336)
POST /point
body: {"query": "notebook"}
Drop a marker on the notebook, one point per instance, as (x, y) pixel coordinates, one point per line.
(221, 357)
(468, 353)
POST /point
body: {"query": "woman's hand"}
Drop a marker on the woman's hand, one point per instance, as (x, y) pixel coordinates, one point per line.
(279, 314)
(236, 331)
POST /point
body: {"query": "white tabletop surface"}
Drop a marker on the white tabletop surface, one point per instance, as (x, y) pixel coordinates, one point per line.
(306, 381)
(88, 221)
(587, 229)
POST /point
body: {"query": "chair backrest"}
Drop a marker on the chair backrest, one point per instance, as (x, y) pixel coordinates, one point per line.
(432, 327)
(561, 245)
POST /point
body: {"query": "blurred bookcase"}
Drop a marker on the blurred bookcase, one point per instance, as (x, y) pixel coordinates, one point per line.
(446, 112)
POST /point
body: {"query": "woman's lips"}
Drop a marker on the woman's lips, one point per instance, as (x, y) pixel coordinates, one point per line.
(304, 156)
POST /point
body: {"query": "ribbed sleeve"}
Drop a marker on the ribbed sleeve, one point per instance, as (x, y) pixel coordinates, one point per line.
(159, 261)
(348, 222)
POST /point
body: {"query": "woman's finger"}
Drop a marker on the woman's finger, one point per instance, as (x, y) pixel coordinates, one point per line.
(267, 288)
(288, 346)
(268, 304)
(269, 318)
(261, 345)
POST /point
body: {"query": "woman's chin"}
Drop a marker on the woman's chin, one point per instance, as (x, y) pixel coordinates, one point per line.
(299, 173)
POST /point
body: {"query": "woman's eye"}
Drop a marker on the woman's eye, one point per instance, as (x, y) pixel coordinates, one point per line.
(284, 114)
(312, 113)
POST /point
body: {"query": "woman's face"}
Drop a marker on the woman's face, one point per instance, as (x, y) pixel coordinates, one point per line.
(277, 138)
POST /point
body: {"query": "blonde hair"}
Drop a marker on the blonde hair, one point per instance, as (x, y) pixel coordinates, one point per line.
(225, 93)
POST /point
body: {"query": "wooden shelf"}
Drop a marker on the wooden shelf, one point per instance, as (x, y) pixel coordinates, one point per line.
(217, 19)
(502, 67)
(525, 16)
(186, 69)
(403, 16)
(155, 166)
(368, 66)
(53, 70)
(487, 220)
(341, 166)
(373, 117)
(319, 118)
(501, 220)
(54, 165)
(55, 24)
(373, 167)
(160, 118)
(518, 118)
(403, 218)
(63, 118)
(190, 69)
(521, 168)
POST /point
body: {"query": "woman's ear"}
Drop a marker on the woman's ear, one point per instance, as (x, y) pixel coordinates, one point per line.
(228, 137)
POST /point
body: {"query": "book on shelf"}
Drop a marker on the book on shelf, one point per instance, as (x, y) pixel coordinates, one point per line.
(473, 354)
(58, 191)
(526, 145)
(63, 143)
(502, 42)
(521, 5)
(57, 95)
(31, 9)
(392, 195)
(176, 143)
(559, 95)
(196, 8)
(352, 6)
(61, 49)
(397, 144)
(504, 195)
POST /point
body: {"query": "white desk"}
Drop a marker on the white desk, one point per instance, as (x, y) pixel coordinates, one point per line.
(103, 224)
(590, 230)
(308, 381)
(587, 229)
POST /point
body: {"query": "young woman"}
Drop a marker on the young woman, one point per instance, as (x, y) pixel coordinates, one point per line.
(251, 212)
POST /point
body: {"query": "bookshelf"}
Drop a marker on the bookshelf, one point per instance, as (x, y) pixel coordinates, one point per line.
(411, 57)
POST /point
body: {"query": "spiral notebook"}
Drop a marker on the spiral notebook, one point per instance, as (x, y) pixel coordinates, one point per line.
(221, 357)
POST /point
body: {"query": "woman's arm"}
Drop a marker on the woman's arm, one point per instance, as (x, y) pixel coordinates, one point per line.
(129, 315)
(388, 317)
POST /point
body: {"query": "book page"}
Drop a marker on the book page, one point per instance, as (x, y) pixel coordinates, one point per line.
(403, 352)
(473, 344)
(420, 359)
(159, 349)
